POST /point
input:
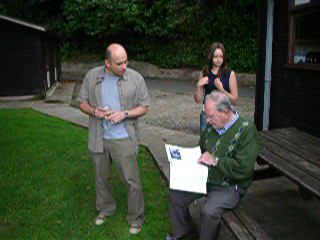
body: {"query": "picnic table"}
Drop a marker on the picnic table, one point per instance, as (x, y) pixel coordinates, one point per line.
(294, 154)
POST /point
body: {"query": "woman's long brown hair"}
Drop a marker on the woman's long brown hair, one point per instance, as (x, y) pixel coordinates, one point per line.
(223, 68)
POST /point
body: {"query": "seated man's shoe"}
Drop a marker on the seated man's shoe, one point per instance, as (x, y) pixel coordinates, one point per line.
(100, 219)
(135, 229)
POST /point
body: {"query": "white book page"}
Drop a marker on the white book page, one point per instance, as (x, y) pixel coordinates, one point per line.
(186, 174)
(181, 153)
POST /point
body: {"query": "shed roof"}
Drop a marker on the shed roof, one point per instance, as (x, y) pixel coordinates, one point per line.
(29, 25)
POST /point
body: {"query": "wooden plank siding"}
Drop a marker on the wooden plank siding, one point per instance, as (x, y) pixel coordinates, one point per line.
(294, 97)
(260, 73)
(20, 60)
(296, 101)
(279, 60)
(23, 59)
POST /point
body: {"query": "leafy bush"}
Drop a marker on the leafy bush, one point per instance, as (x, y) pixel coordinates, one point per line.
(174, 33)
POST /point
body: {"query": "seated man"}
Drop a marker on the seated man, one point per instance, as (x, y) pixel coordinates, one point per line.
(229, 148)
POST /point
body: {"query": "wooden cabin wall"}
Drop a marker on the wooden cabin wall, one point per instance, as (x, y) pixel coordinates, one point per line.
(26, 54)
(279, 60)
(50, 61)
(294, 92)
(260, 71)
(20, 61)
(294, 99)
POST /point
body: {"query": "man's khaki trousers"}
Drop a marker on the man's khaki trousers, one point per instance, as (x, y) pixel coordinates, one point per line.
(123, 154)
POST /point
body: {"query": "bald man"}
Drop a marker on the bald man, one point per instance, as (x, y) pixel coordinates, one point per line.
(115, 96)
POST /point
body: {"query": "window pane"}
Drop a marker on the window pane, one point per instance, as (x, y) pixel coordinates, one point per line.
(307, 47)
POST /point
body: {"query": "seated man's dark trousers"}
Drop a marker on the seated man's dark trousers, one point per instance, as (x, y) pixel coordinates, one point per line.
(218, 201)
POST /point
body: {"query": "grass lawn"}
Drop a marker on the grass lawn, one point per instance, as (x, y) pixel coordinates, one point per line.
(47, 184)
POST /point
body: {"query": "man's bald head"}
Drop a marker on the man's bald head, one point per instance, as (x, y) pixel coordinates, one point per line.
(116, 59)
(114, 49)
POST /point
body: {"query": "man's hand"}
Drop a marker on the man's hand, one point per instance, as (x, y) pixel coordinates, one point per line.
(115, 116)
(207, 159)
(100, 112)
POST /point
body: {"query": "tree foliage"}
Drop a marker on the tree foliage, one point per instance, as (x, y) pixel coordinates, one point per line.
(169, 33)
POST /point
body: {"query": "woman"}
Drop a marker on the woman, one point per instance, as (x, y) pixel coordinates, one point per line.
(215, 76)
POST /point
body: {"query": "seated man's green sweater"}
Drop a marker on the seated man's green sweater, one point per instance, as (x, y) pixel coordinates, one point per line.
(236, 149)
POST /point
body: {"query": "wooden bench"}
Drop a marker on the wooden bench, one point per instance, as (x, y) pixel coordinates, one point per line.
(294, 154)
(238, 221)
(243, 226)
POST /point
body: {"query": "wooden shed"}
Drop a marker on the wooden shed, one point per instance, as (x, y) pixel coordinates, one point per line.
(29, 58)
(288, 72)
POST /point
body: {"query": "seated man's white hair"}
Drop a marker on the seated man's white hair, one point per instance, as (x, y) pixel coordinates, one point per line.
(221, 100)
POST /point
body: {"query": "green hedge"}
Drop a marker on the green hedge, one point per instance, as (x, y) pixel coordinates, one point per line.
(168, 33)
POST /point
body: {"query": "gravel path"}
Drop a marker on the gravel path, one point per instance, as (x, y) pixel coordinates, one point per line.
(178, 110)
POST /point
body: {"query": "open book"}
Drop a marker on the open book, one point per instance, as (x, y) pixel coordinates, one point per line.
(186, 174)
